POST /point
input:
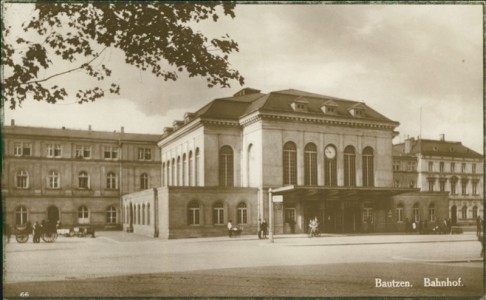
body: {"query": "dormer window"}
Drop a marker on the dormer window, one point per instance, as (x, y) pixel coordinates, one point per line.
(188, 117)
(357, 110)
(300, 104)
(329, 107)
(177, 124)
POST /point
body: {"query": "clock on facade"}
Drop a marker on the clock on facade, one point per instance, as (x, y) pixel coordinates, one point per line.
(330, 152)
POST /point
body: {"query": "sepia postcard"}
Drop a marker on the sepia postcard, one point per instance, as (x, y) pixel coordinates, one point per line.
(242, 149)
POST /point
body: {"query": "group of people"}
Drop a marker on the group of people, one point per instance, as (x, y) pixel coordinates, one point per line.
(314, 226)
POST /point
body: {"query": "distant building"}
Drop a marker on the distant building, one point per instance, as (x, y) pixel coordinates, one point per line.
(329, 158)
(442, 166)
(75, 176)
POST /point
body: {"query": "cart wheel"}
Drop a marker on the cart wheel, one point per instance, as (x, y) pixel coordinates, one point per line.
(49, 237)
(22, 238)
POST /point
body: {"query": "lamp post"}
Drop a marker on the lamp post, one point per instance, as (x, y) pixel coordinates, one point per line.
(270, 215)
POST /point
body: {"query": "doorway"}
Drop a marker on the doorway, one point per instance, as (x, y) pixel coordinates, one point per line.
(52, 214)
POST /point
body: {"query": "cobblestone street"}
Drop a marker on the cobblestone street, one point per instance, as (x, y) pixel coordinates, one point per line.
(121, 264)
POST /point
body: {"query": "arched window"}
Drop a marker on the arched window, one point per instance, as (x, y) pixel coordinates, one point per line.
(432, 212)
(368, 169)
(475, 212)
(20, 215)
(173, 174)
(143, 214)
(144, 181)
(197, 167)
(218, 214)
(189, 170)
(400, 212)
(169, 177)
(226, 166)
(83, 215)
(193, 213)
(22, 180)
(111, 215)
(416, 212)
(111, 181)
(249, 165)
(289, 163)
(83, 180)
(148, 213)
(464, 212)
(330, 166)
(241, 213)
(184, 169)
(163, 175)
(179, 167)
(349, 166)
(53, 180)
(310, 164)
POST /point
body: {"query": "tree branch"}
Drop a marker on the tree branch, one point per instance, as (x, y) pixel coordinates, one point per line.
(65, 72)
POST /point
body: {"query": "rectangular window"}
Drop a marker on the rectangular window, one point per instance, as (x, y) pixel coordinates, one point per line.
(396, 165)
(473, 169)
(411, 166)
(431, 184)
(54, 150)
(453, 167)
(464, 187)
(83, 151)
(463, 168)
(144, 154)
(23, 149)
(441, 167)
(110, 152)
(475, 188)
(442, 185)
(431, 166)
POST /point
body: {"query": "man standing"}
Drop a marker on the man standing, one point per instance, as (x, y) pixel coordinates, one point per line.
(263, 228)
(230, 228)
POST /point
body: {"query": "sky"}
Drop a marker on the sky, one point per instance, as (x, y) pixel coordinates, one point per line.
(420, 65)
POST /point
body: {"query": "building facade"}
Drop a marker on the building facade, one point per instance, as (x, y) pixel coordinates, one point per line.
(328, 158)
(443, 166)
(75, 176)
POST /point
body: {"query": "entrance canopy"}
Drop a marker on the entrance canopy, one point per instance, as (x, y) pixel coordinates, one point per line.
(339, 193)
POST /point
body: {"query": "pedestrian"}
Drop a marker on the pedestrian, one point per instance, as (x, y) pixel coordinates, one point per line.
(263, 227)
(230, 228)
(478, 226)
(292, 225)
(7, 231)
(414, 226)
(259, 228)
(36, 232)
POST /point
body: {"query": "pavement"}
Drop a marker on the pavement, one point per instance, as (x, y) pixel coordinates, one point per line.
(87, 266)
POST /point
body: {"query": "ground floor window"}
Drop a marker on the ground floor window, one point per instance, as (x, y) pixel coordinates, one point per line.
(367, 213)
(83, 215)
(218, 214)
(475, 212)
(431, 213)
(148, 214)
(21, 215)
(289, 215)
(193, 213)
(111, 215)
(400, 212)
(464, 212)
(242, 213)
(416, 212)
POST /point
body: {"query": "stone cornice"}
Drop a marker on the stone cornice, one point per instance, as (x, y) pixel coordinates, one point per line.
(247, 120)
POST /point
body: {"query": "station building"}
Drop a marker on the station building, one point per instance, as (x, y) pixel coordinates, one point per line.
(327, 157)
(443, 166)
(75, 176)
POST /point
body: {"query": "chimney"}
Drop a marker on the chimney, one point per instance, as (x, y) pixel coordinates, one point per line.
(122, 129)
(89, 127)
(12, 122)
(408, 145)
(442, 137)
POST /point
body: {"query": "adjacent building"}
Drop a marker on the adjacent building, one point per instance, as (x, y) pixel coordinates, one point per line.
(327, 157)
(442, 166)
(75, 176)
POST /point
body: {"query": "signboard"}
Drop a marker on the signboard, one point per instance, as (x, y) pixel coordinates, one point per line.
(277, 199)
